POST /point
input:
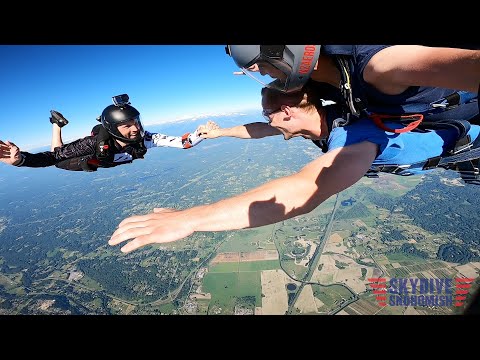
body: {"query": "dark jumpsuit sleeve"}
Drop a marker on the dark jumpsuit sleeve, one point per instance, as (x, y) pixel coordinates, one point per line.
(77, 148)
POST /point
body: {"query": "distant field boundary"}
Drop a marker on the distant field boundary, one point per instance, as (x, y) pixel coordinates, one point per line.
(260, 255)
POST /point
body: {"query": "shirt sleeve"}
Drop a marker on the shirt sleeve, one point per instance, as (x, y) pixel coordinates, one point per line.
(396, 149)
(185, 141)
(358, 131)
(80, 147)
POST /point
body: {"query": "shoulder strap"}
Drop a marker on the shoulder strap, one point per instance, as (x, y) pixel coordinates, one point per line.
(322, 144)
(103, 142)
(355, 104)
(96, 129)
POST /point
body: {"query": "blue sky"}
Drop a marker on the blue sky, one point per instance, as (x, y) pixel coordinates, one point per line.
(164, 82)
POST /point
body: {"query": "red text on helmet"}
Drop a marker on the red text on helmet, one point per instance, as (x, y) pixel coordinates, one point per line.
(307, 58)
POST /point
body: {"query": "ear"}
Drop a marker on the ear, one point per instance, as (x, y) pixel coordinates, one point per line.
(287, 110)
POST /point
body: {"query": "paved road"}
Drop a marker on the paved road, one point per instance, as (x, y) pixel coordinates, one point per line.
(313, 264)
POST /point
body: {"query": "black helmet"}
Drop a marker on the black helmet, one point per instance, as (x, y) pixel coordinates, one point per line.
(121, 112)
(293, 63)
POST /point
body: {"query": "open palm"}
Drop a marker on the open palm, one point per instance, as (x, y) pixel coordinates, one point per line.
(9, 152)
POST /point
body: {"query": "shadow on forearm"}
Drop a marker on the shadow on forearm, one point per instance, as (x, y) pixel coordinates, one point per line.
(260, 130)
(329, 181)
(270, 211)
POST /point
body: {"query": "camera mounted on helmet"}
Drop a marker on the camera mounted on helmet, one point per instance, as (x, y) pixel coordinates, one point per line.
(121, 100)
(122, 113)
(282, 67)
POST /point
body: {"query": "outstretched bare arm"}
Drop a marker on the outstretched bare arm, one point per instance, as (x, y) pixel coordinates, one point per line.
(272, 202)
(255, 130)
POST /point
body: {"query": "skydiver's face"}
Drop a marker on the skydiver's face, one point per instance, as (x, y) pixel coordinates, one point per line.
(289, 120)
(292, 121)
(130, 130)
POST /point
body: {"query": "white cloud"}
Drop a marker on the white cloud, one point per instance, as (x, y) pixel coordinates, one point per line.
(191, 117)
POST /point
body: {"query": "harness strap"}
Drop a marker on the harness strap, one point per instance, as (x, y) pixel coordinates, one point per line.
(356, 106)
(455, 99)
(102, 143)
(466, 161)
(371, 174)
(413, 122)
(413, 114)
(461, 126)
(322, 144)
(391, 169)
(467, 155)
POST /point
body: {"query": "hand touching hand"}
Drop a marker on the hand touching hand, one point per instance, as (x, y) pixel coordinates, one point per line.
(210, 130)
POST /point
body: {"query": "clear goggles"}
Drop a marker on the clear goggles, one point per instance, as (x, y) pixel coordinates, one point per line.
(269, 72)
(138, 123)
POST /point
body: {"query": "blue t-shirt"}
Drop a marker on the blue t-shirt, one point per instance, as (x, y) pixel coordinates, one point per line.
(398, 149)
(415, 99)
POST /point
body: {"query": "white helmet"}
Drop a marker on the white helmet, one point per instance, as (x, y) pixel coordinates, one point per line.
(283, 67)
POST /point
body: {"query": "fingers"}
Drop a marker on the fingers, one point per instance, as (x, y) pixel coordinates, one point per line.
(7, 144)
(134, 219)
(132, 225)
(162, 226)
(207, 131)
(9, 150)
(4, 153)
(135, 244)
(141, 233)
(130, 231)
(4, 148)
(163, 210)
(154, 234)
(211, 125)
(135, 226)
(205, 135)
(139, 221)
